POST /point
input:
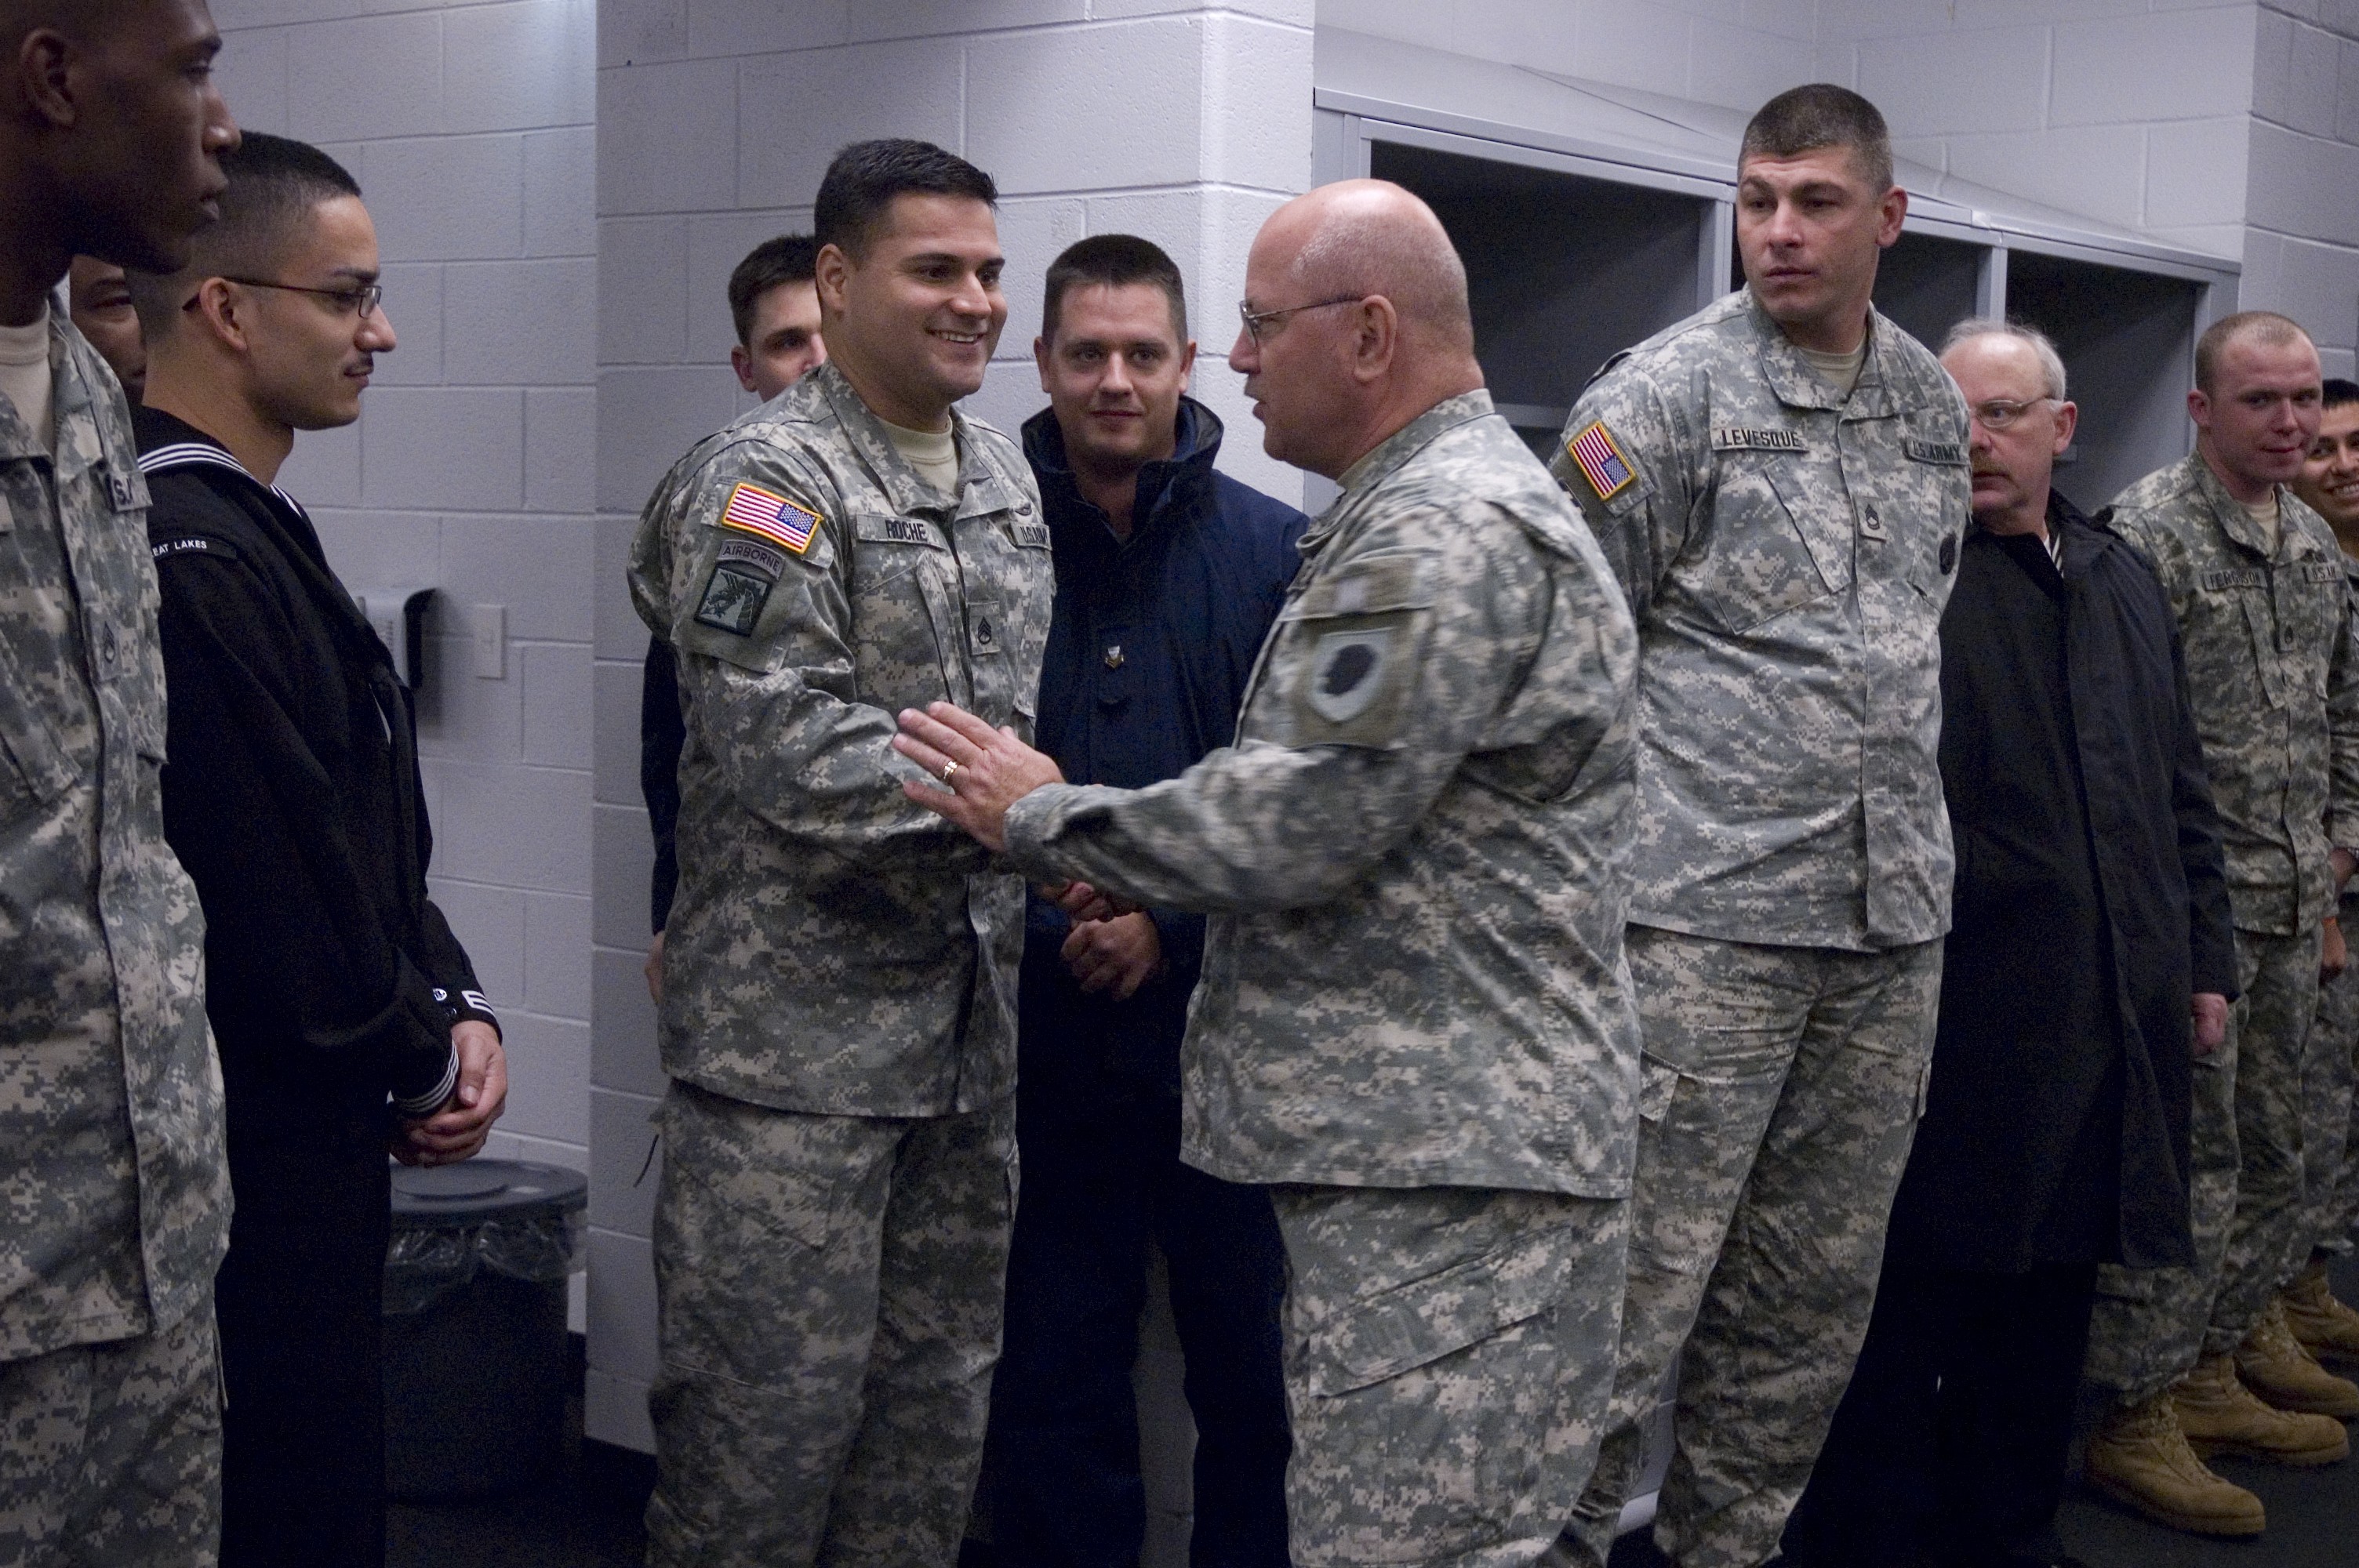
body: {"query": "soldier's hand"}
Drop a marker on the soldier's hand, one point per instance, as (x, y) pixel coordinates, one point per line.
(2210, 1010)
(457, 1130)
(987, 769)
(654, 968)
(1081, 901)
(1119, 955)
(2333, 952)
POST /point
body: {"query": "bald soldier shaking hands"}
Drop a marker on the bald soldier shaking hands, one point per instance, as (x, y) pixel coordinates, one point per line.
(1425, 814)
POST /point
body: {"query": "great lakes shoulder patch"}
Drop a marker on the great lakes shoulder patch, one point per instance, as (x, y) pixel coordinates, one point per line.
(1599, 459)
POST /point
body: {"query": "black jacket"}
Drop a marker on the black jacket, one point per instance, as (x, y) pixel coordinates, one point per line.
(2089, 905)
(1150, 643)
(292, 796)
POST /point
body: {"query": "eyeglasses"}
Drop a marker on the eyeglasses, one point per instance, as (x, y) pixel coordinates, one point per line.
(360, 300)
(1253, 319)
(1999, 412)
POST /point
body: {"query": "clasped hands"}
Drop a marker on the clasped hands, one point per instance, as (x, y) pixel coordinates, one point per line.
(983, 770)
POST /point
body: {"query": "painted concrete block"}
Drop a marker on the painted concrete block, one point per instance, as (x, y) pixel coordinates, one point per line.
(540, 566)
(623, 1043)
(2272, 84)
(448, 198)
(521, 322)
(795, 109)
(514, 826)
(1010, 395)
(2314, 82)
(748, 26)
(667, 137)
(2340, 17)
(716, 243)
(489, 922)
(641, 32)
(251, 71)
(2346, 99)
(615, 1409)
(451, 447)
(619, 634)
(1256, 103)
(413, 303)
(1744, 68)
(375, 76)
(1635, 45)
(557, 956)
(625, 856)
(459, 716)
(232, 14)
(1861, 19)
(1031, 234)
(649, 417)
(560, 192)
(2224, 240)
(2177, 65)
(1411, 21)
(1294, 13)
(325, 468)
(519, 65)
(2099, 170)
(1993, 80)
(615, 685)
(549, 1076)
(642, 306)
(1797, 19)
(2303, 185)
(929, 19)
(561, 437)
(2319, 286)
(556, 686)
(378, 546)
(622, 1305)
(1034, 98)
(2195, 172)
(630, 1164)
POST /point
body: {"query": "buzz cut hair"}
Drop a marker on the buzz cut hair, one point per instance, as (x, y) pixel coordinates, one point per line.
(2051, 363)
(275, 185)
(2339, 393)
(784, 259)
(863, 180)
(1821, 115)
(1115, 261)
(2266, 328)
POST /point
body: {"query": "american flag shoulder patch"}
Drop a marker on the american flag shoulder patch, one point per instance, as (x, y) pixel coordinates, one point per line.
(1601, 461)
(771, 515)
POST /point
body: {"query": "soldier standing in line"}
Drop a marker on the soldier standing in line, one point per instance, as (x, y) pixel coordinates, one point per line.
(2200, 1360)
(838, 1017)
(2329, 483)
(1780, 483)
(1414, 1022)
(113, 1172)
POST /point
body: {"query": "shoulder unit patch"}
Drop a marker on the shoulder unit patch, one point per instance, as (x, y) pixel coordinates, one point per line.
(771, 515)
(1600, 459)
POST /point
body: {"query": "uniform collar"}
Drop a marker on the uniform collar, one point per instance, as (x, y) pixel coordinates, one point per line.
(2294, 542)
(1799, 385)
(76, 400)
(980, 487)
(168, 442)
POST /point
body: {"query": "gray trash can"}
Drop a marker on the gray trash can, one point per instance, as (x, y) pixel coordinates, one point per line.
(475, 1358)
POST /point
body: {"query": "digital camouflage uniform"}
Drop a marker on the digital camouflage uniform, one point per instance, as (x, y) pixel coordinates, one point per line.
(2270, 666)
(2329, 1079)
(113, 1174)
(1414, 1019)
(1786, 551)
(839, 976)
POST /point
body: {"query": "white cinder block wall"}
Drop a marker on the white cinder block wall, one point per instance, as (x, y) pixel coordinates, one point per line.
(2302, 218)
(469, 129)
(716, 118)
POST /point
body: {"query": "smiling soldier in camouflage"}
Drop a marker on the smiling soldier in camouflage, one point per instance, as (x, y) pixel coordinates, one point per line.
(1780, 483)
(1414, 1020)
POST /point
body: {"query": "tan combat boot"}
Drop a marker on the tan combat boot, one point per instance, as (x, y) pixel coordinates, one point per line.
(2324, 1325)
(2280, 1371)
(2220, 1415)
(2140, 1459)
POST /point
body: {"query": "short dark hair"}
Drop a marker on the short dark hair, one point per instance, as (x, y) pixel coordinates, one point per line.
(2265, 327)
(864, 178)
(1821, 115)
(788, 258)
(2340, 392)
(275, 182)
(1113, 260)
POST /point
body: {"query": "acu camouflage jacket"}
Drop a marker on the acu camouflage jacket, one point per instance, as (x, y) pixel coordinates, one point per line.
(113, 1174)
(833, 947)
(1413, 855)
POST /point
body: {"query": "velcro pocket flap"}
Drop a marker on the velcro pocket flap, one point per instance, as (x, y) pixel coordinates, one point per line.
(1370, 586)
(1425, 1320)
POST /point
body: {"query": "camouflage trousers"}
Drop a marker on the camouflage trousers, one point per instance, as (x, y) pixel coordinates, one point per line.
(1780, 1095)
(2330, 1154)
(110, 1455)
(2151, 1325)
(827, 1307)
(1448, 1351)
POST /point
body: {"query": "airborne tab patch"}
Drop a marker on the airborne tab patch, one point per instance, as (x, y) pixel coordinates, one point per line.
(771, 515)
(1737, 439)
(1600, 459)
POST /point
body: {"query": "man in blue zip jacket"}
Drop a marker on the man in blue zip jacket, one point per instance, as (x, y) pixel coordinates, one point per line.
(1168, 575)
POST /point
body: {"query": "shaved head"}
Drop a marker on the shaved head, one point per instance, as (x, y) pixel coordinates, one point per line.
(2261, 328)
(1370, 236)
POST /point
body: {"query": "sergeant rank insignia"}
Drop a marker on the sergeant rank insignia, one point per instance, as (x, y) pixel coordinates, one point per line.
(1602, 463)
(773, 516)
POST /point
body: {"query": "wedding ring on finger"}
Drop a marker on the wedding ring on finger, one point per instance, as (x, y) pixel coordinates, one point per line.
(949, 768)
